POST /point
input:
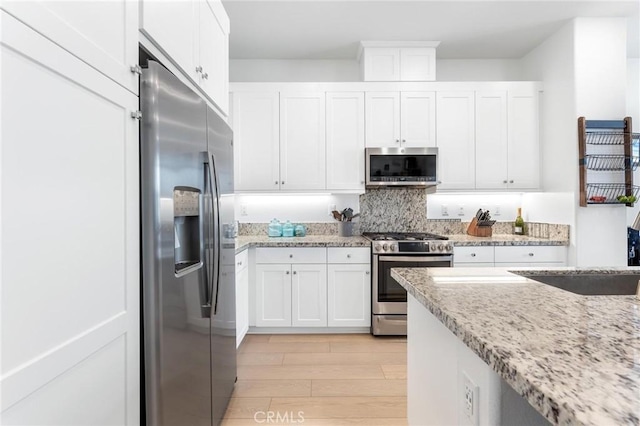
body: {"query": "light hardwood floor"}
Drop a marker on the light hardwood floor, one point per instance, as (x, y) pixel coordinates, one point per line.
(320, 379)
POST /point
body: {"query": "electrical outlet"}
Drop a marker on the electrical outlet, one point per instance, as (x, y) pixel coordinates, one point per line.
(243, 210)
(496, 211)
(445, 210)
(461, 210)
(470, 399)
(331, 208)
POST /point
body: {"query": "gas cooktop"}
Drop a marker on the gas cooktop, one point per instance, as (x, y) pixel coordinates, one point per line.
(403, 236)
(408, 242)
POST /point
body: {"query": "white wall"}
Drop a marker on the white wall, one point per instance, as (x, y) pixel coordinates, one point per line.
(294, 207)
(633, 111)
(502, 206)
(552, 62)
(601, 94)
(268, 70)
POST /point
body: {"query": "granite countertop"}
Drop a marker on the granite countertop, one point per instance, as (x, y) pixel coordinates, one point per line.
(576, 359)
(245, 242)
(504, 240)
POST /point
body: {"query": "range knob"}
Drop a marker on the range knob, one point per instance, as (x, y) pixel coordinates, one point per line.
(392, 247)
(432, 247)
(385, 247)
(440, 247)
(448, 247)
(377, 247)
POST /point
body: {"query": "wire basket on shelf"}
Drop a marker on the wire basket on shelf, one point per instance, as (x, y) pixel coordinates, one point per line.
(605, 138)
(611, 162)
(608, 193)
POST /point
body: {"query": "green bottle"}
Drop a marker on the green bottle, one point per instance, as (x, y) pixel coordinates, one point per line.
(518, 226)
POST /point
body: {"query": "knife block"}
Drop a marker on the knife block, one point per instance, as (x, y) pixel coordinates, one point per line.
(479, 231)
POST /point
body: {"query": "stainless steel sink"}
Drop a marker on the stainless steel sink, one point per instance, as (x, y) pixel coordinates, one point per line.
(590, 284)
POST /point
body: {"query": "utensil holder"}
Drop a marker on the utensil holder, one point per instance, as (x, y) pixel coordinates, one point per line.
(345, 229)
(479, 231)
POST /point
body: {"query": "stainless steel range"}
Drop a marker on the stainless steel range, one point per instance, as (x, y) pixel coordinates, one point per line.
(400, 250)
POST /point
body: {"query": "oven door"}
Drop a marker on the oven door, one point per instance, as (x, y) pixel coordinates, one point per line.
(389, 297)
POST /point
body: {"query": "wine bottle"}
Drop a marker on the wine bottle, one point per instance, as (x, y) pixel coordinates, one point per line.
(518, 226)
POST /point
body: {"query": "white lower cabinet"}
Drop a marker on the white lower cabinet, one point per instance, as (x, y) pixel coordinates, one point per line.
(242, 296)
(349, 295)
(295, 287)
(506, 256)
(309, 295)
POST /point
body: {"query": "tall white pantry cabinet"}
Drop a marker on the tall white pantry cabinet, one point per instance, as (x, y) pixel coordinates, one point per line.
(69, 207)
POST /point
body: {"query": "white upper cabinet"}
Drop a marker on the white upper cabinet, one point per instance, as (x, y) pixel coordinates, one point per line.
(194, 34)
(256, 131)
(456, 140)
(523, 154)
(418, 119)
(391, 62)
(302, 141)
(102, 34)
(382, 119)
(507, 146)
(400, 119)
(345, 140)
(491, 139)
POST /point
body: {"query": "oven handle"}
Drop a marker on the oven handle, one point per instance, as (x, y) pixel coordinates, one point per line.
(422, 259)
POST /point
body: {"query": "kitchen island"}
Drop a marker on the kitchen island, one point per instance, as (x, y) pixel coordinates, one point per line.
(575, 359)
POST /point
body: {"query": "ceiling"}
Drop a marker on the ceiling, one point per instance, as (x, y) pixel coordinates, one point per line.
(329, 29)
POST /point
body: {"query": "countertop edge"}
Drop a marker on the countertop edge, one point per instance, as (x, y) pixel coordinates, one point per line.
(543, 403)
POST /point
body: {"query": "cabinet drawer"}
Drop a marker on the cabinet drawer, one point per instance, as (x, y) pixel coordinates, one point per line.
(472, 255)
(242, 260)
(531, 254)
(291, 255)
(349, 255)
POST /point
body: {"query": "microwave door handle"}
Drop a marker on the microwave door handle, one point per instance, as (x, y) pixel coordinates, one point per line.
(217, 239)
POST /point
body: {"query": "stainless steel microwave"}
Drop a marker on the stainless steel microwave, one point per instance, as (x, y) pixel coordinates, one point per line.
(401, 167)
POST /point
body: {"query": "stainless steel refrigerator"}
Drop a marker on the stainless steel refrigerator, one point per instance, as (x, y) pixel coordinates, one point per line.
(188, 253)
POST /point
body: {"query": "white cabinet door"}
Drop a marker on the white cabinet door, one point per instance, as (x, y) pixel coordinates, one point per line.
(273, 295)
(256, 129)
(242, 296)
(302, 141)
(349, 295)
(213, 55)
(309, 295)
(417, 64)
(382, 119)
(173, 27)
(418, 119)
(524, 146)
(70, 280)
(345, 140)
(456, 139)
(382, 64)
(103, 34)
(491, 140)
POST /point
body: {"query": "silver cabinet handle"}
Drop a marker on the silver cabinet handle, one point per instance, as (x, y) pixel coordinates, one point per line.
(361, 182)
(397, 140)
(239, 263)
(348, 256)
(282, 182)
(287, 272)
(511, 181)
(290, 256)
(367, 272)
(473, 255)
(404, 141)
(199, 68)
(294, 272)
(205, 76)
(504, 181)
(531, 254)
(276, 183)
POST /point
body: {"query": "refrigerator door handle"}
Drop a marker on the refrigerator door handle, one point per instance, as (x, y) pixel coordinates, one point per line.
(204, 293)
(217, 240)
(214, 221)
